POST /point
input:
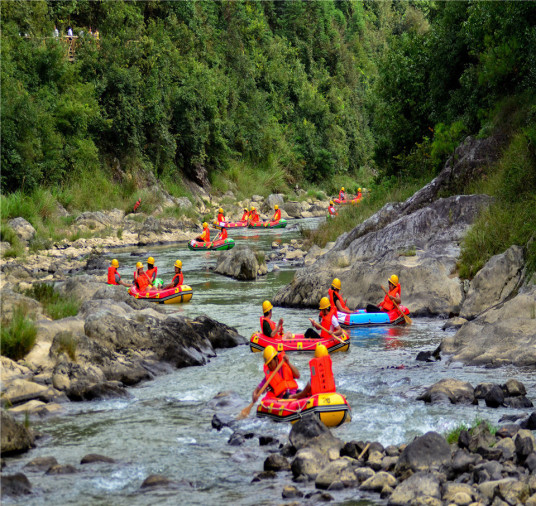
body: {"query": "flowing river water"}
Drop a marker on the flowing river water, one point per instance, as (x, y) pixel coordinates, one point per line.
(165, 427)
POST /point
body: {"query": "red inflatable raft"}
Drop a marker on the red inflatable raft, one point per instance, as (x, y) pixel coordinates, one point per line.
(182, 293)
(230, 224)
(299, 342)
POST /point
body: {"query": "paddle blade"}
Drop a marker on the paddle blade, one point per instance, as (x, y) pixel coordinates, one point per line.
(408, 319)
(245, 412)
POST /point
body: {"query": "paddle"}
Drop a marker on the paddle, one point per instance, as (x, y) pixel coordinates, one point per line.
(332, 334)
(245, 412)
(406, 317)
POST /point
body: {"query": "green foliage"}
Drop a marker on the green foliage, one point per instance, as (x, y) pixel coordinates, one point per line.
(453, 435)
(18, 336)
(65, 342)
(55, 305)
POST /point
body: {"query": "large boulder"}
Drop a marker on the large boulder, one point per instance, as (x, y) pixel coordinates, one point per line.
(495, 282)
(15, 437)
(272, 200)
(432, 233)
(451, 390)
(425, 453)
(24, 229)
(502, 335)
(240, 263)
(309, 431)
(420, 486)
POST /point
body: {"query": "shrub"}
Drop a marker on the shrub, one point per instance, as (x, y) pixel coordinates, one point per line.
(55, 305)
(18, 336)
(65, 342)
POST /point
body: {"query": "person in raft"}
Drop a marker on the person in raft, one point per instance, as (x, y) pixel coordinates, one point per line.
(152, 270)
(205, 235)
(328, 326)
(387, 303)
(269, 327)
(114, 278)
(221, 216)
(253, 216)
(283, 384)
(335, 297)
(332, 211)
(342, 195)
(141, 280)
(322, 379)
(222, 235)
(245, 216)
(178, 279)
(359, 194)
(277, 213)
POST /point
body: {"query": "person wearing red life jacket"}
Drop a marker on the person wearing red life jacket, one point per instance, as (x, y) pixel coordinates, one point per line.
(277, 213)
(328, 323)
(283, 384)
(253, 216)
(342, 194)
(178, 278)
(322, 379)
(205, 235)
(245, 215)
(152, 270)
(332, 211)
(393, 294)
(359, 194)
(221, 216)
(114, 278)
(222, 235)
(268, 327)
(141, 280)
(335, 297)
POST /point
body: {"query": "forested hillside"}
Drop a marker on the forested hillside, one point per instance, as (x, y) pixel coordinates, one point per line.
(257, 96)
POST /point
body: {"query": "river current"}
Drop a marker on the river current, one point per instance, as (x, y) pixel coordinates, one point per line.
(165, 427)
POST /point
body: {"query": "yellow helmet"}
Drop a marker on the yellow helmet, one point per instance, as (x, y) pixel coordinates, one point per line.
(252, 208)
(336, 283)
(321, 351)
(139, 265)
(205, 224)
(220, 210)
(359, 189)
(343, 188)
(150, 260)
(178, 264)
(266, 306)
(276, 207)
(115, 263)
(245, 209)
(393, 279)
(269, 354)
(331, 202)
(324, 303)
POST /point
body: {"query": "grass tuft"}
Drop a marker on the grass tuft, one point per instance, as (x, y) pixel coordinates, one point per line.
(54, 304)
(18, 336)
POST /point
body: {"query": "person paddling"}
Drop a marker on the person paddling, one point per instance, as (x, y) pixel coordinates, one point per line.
(393, 294)
(328, 326)
(253, 216)
(114, 278)
(283, 384)
(359, 194)
(322, 379)
(221, 216)
(222, 235)
(205, 235)
(245, 215)
(152, 270)
(141, 280)
(269, 327)
(277, 213)
(335, 297)
(178, 278)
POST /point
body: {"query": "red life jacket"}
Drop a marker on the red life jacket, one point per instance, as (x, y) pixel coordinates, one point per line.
(325, 322)
(142, 281)
(272, 324)
(221, 217)
(333, 298)
(151, 273)
(277, 215)
(387, 304)
(332, 211)
(181, 279)
(255, 217)
(358, 196)
(245, 216)
(206, 235)
(342, 195)
(322, 379)
(111, 275)
(283, 379)
(222, 235)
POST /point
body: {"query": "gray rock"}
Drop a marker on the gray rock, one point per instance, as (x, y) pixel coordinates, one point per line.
(525, 443)
(379, 481)
(24, 229)
(272, 200)
(59, 469)
(276, 462)
(291, 492)
(41, 463)
(14, 437)
(91, 458)
(155, 481)
(310, 432)
(495, 282)
(240, 263)
(15, 485)
(425, 453)
(418, 486)
(518, 402)
(308, 463)
(494, 397)
(514, 388)
(457, 391)
(339, 470)
(236, 439)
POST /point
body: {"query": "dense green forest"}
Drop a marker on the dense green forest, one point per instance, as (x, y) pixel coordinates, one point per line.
(259, 94)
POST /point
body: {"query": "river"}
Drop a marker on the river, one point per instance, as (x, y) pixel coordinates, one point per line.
(165, 427)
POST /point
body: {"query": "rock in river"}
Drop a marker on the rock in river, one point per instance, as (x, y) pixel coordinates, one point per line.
(240, 263)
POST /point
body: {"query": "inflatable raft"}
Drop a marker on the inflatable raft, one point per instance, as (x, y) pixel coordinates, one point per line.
(332, 408)
(341, 201)
(299, 342)
(182, 293)
(231, 224)
(361, 318)
(282, 223)
(219, 245)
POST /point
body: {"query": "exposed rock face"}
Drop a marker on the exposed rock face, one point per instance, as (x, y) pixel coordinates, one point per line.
(450, 390)
(496, 281)
(425, 453)
(429, 287)
(502, 335)
(15, 485)
(22, 228)
(240, 263)
(15, 438)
